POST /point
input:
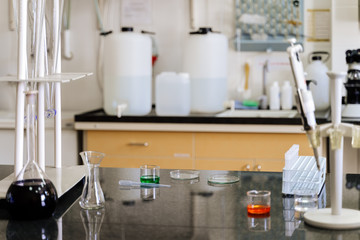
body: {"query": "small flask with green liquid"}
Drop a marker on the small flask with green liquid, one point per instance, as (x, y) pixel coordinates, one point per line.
(150, 174)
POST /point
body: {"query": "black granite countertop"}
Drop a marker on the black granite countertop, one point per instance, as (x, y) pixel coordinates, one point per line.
(100, 116)
(188, 210)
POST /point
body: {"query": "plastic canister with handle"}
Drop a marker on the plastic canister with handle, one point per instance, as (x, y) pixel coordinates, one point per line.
(172, 94)
(317, 70)
(205, 59)
(127, 73)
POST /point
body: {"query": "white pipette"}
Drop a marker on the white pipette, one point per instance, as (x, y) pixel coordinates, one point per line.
(305, 102)
(129, 183)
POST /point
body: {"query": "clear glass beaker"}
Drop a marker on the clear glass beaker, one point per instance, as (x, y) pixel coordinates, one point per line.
(32, 195)
(259, 202)
(149, 174)
(304, 200)
(92, 196)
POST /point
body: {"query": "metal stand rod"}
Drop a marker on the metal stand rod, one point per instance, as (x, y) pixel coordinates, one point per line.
(41, 95)
(58, 136)
(336, 162)
(20, 98)
(19, 128)
(58, 125)
(41, 126)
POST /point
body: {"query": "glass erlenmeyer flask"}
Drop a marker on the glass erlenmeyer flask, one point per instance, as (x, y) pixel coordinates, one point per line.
(32, 195)
(92, 196)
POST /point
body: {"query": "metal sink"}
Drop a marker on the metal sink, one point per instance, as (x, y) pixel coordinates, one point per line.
(258, 113)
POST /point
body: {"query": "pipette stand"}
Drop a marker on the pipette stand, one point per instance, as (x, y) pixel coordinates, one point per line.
(335, 217)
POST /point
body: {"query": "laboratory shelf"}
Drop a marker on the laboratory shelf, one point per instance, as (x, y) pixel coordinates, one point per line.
(60, 77)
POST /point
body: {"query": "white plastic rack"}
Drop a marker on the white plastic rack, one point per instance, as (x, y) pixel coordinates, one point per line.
(300, 172)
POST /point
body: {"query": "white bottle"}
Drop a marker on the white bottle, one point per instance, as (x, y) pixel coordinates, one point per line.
(317, 70)
(275, 96)
(286, 96)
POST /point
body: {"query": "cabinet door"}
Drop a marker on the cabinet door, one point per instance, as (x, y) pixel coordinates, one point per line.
(132, 149)
(144, 144)
(136, 162)
(269, 165)
(270, 148)
(248, 145)
(224, 164)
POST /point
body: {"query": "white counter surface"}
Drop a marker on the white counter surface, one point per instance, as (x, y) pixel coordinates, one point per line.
(188, 127)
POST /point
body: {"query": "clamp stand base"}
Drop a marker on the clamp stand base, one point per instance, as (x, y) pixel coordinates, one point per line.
(322, 218)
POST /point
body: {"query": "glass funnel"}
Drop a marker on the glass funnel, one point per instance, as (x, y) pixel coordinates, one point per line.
(32, 195)
(92, 196)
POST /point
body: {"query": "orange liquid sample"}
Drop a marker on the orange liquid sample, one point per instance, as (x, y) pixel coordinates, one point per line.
(258, 209)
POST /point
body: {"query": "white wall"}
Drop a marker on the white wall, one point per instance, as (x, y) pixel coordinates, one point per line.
(345, 31)
(171, 22)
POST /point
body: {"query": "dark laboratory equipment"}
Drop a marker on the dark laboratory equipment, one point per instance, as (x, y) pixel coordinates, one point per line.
(352, 85)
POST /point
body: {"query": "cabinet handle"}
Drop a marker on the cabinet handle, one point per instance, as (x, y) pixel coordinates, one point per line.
(258, 167)
(247, 167)
(142, 144)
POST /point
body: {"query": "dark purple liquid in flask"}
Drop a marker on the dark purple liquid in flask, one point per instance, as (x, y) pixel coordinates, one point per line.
(31, 199)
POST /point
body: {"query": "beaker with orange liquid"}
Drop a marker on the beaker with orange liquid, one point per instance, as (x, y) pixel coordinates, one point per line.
(259, 202)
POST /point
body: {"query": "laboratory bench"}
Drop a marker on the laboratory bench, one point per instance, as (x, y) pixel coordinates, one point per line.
(198, 141)
(189, 209)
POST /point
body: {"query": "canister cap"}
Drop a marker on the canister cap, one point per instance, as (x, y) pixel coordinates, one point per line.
(316, 58)
(202, 30)
(127, 29)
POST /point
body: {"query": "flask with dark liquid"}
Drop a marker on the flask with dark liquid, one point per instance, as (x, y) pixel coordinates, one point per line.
(32, 195)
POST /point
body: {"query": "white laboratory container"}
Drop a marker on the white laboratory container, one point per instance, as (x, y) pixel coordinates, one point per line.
(317, 70)
(172, 94)
(275, 96)
(205, 59)
(286, 96)
(127, 73)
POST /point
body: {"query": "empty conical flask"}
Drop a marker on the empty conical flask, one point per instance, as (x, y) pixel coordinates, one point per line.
(92, 196)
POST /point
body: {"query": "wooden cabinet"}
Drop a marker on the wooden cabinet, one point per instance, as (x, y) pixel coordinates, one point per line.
(246, 151)
(132, 149)
(224, 164)
(195, 150)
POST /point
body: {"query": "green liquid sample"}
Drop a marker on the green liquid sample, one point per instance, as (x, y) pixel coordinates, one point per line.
(150, 179)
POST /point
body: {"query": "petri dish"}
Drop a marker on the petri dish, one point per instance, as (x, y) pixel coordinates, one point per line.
(185, 181)
(184, 174)
(223, 179)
